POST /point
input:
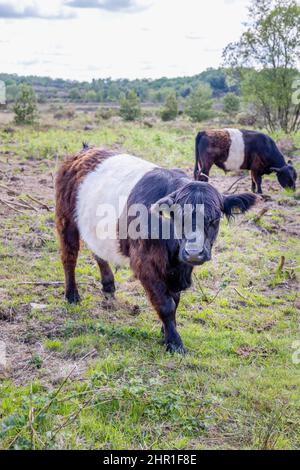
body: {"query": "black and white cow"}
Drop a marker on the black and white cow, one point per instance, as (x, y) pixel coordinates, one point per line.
(93, 180)
(234, 149)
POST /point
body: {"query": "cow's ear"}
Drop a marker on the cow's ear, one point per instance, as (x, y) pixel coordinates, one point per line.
(162, 203)
(237, 203)
(277, 170)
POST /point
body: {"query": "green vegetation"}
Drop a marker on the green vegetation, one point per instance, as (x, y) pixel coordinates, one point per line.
(105, 90)
(130, 108)
(25, 107)
(231, 104)
(271, 43)
(170, 110)
(199, 105)
(96, 375)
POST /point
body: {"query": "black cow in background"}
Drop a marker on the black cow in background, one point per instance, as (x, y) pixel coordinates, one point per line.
(234, 149)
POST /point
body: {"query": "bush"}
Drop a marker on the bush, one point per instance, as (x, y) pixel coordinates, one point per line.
(130, 108)
(231, 103)
(104, 113)
(199, 104)
(170, 110)
(64, 113)
(25, 107)
(246, 119)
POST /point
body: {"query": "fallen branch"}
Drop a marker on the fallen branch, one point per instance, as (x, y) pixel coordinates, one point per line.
(215, 296)
(11, 206)
(19, 204)
(42, 204)
(233, 184)
(30, 206)
(260, 215)
(41, 283)
(45, 283)
(8, 189)
(241, 295)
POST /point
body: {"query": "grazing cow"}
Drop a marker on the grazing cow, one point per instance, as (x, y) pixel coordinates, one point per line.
(94, 180)
(234, 149)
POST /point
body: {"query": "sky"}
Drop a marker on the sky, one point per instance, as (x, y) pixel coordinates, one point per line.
(86, 39)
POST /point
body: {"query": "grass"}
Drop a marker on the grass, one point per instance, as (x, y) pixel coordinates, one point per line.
(96, 375)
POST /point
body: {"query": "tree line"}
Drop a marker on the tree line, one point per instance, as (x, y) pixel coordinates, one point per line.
(260, 73)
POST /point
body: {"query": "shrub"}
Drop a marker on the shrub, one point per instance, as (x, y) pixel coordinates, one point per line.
(25, 107)
(246, 119)
(199, 103)
(130, 109)
(104, 113)
(170, 110)
(231, 103)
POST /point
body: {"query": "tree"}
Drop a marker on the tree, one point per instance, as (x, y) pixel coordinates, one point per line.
(231, 103)
(25, 107)
(199, 103)
(266, 58)
(91, 95)
(170, 110)
(75, 94)
(130, 108)
(11, 92)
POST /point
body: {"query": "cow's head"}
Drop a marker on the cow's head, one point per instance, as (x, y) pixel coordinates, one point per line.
(286, 176)
(198, 198)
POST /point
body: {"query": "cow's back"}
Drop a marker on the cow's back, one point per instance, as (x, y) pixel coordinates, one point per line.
(101, 199)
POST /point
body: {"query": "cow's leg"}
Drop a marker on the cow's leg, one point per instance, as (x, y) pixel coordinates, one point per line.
(69, 244)
(107, 277)
(259, 181)
(253, 179)
(165, 305)
(256, 181)
(176, 298)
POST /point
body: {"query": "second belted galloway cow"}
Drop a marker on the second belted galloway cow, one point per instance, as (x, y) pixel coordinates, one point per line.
(234, 149)
(97, 190)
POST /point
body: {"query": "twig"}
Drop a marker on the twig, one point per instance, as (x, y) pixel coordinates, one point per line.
(42, 204)
(281, 265)
(30, 206)
(241, 295)
(233, 184)
(41, 283)
(214, 298)
(72, 417)
(260, 215)
(11, 207)
(19, 204)
(8, 188)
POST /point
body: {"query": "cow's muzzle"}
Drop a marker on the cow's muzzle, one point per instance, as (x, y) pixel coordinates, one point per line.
(194, 257)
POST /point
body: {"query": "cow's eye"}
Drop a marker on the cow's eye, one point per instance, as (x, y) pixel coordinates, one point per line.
(166, 214)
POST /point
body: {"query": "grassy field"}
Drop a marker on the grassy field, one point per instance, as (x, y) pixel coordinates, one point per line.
(96, 375)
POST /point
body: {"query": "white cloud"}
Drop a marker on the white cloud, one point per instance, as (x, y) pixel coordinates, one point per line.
(32, 9)
(168, 38)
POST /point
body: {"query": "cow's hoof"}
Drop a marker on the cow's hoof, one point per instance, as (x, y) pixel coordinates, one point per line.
(73, 297)
(176, 348)
(109, 296)
(108, 287)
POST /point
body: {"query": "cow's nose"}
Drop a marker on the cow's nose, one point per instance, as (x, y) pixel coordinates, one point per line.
(195, 257)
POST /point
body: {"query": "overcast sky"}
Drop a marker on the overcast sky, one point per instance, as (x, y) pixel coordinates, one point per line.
(85, 39)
